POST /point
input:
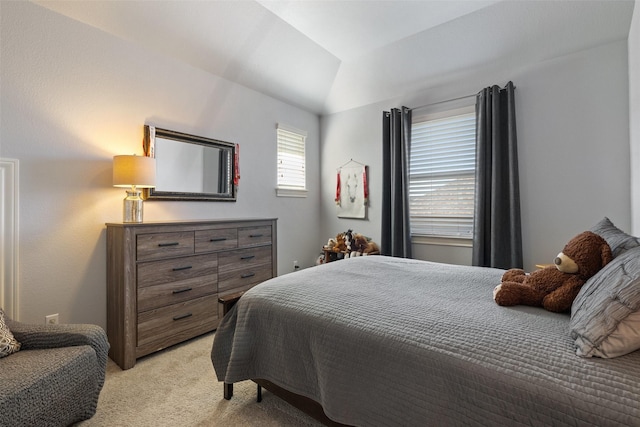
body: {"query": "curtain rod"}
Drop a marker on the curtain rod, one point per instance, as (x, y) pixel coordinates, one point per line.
(442, 102)
(451, 100)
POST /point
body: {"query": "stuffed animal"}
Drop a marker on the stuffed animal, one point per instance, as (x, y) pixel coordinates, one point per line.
(555, 287)
(341, 244)
(364, 245)
(348, 240)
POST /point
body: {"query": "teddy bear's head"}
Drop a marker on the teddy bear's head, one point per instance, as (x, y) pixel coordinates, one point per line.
(584, 255)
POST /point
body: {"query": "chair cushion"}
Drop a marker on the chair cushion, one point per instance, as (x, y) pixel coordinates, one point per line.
(48, 386)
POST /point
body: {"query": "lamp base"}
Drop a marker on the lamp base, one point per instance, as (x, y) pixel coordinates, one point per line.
(132, 208)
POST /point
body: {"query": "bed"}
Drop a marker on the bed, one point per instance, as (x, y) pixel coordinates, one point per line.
(381, 341)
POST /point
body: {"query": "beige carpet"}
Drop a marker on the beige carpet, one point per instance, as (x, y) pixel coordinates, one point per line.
(177, 387)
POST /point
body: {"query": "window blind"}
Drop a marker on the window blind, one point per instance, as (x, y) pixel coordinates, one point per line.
(442, 175)
(291, 159)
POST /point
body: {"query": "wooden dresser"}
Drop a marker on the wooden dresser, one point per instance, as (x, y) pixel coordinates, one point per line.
(164, 278)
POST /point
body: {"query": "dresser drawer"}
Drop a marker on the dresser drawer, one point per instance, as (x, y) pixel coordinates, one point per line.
(164, 245)
(169, 325)
(175, 269)
(215, 240)
(252, 236)
(244, 268)
(157, 296)
(242, 280)
(243, 258)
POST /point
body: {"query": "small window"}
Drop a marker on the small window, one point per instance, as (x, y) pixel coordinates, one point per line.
(442, 173)
(291, 162)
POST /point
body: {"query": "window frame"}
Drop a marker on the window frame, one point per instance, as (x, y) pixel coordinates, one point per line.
(431, 113)
(290, 190)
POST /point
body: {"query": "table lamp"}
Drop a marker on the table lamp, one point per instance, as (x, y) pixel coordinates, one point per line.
(135, 172)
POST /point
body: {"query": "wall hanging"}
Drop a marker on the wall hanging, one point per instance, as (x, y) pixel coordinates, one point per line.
(352, 191)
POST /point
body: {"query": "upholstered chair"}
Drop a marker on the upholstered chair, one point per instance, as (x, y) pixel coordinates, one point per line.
(55, 377)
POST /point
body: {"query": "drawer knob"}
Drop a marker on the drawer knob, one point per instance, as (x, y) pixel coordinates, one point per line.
(179, 291)
(247, 275)
(218, 239)
(182, 316)
(186, 267)
(255, 235)
(162, 245)
(247, 257)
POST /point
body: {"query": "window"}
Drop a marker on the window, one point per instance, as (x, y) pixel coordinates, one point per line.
(442, 173)
(291, 162)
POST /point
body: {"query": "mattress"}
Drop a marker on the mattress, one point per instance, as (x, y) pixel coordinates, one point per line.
(381, 341)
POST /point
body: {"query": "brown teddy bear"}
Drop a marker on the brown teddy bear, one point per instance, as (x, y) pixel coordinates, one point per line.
(556, 286)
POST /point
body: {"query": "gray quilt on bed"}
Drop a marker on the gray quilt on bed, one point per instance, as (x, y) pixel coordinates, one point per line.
(385, 341)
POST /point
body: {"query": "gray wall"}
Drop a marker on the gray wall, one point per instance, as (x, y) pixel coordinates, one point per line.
(72, 98)
(573, 135)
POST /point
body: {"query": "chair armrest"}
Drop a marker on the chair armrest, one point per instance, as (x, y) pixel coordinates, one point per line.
(33, 336)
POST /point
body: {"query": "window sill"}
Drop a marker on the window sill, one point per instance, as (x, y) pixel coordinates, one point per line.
(462, 242)
(290, 192)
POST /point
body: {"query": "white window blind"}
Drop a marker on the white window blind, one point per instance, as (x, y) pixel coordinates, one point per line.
(442, 174)
(291, 159)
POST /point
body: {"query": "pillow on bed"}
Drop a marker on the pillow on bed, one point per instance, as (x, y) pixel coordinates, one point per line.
(618, 240)
(605, 316)
(8, 344)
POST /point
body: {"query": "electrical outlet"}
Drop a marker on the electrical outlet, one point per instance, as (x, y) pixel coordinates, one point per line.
(295, 265)
(51, 319)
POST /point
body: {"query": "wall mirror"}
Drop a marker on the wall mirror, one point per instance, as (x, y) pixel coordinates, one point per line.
(189, 167)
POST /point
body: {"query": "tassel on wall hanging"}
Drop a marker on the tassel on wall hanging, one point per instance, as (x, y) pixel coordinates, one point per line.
(352, 190)
(236, 166)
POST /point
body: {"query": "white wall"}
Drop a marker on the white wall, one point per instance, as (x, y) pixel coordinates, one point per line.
(634, 115)
(72, 98)
(573, 141)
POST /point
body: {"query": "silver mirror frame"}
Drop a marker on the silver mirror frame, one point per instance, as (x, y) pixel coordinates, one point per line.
(149, 144)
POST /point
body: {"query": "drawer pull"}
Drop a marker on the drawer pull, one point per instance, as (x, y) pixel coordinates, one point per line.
(218, 239)
(256, 235)
(247, 257)
(162, 245)
(247, 275)
(182, 268)
(179, 291)
(182, 316)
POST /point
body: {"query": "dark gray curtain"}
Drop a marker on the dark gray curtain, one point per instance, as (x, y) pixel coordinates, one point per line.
(396, 140)
(497, 240)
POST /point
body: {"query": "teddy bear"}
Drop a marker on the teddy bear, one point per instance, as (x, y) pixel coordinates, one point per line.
(555, 287)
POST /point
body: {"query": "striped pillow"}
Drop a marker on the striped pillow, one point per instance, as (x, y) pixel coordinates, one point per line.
(605, 316)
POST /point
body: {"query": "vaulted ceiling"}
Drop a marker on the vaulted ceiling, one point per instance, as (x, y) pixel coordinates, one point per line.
(331, 55)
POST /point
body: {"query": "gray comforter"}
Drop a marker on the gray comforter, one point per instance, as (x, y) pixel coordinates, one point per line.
(387, 341)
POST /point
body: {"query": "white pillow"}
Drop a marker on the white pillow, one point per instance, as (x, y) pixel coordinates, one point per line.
(605, 316)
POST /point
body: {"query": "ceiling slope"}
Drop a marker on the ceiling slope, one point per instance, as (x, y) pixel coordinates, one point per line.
(328, 56)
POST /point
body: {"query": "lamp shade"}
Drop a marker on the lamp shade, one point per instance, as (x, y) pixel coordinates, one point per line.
(139, 171)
